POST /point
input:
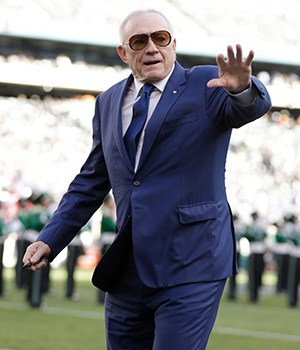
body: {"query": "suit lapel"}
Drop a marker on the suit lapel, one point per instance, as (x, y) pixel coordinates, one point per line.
(118, 99)
(170, 95)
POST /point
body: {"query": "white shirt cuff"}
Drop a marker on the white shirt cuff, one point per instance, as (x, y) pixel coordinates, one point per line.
(246, 97)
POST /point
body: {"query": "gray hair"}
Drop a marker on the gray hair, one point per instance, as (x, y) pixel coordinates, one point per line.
(141, 12)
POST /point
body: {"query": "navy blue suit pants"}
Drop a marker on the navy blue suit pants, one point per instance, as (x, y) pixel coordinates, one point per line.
(175, 318)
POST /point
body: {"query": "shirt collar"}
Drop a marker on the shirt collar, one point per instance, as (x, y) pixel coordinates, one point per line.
(160, 85)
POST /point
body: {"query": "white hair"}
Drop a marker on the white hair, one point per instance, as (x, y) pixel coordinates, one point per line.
(141, 12)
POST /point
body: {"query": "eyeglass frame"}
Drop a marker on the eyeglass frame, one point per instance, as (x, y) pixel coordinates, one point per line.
(149, 36)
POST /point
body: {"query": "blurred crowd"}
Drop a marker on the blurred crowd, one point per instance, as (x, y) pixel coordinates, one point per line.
(63, 71)
(59, 71)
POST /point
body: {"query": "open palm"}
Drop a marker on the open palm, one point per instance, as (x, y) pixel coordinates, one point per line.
(234, 73)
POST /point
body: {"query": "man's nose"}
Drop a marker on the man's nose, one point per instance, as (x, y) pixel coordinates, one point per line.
(151, 45)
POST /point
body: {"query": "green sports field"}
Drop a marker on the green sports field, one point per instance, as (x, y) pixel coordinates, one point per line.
(78, 324)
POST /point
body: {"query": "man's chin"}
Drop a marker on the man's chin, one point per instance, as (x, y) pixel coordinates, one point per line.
(153, 76)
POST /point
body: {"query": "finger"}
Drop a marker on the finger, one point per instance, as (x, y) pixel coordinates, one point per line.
(221, 61)
(40, 264)
(38, 255)
(39, 258)
(230, 53)
(239, 53)
(249, 58)
(37, 265)
(30, 251)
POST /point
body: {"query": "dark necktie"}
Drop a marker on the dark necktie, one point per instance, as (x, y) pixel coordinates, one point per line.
(140, 111)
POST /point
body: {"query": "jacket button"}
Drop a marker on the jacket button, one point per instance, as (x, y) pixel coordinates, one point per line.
(136, 183)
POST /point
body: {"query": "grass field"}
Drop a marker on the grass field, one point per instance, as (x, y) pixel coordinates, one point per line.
(64, 324)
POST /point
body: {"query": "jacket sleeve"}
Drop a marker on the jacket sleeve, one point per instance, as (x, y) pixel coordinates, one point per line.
(227, 112)
(83, 197)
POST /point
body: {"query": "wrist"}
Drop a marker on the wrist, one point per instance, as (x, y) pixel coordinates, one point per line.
(240, 91)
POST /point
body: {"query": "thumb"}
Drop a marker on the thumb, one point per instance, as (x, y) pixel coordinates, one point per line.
(213, 83)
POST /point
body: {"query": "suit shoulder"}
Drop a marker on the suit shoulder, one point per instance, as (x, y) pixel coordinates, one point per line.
(203, 70)
(116, 87)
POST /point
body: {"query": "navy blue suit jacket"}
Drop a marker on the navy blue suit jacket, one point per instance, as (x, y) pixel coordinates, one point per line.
(180, 221)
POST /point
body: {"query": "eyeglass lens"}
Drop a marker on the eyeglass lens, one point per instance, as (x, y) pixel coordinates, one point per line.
(160, 38)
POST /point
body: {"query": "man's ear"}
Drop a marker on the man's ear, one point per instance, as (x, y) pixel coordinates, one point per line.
(122, 53)
(174, 45)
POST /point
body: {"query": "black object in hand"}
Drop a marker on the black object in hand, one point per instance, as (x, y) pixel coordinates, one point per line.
(29, 264)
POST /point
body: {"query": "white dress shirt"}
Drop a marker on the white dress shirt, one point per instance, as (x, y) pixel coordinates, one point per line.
(133, 94)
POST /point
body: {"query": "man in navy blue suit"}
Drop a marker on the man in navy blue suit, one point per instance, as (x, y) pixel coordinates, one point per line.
(174, 248)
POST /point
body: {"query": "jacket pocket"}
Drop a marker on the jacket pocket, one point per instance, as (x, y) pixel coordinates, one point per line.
(198, 212)
(183, 119)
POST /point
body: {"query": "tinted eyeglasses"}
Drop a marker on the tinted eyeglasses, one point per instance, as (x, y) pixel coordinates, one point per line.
(139, 41)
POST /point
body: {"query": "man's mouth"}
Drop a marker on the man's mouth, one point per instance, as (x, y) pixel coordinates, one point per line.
(151, 63)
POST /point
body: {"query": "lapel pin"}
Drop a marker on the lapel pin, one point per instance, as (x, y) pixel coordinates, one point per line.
(174, 92)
